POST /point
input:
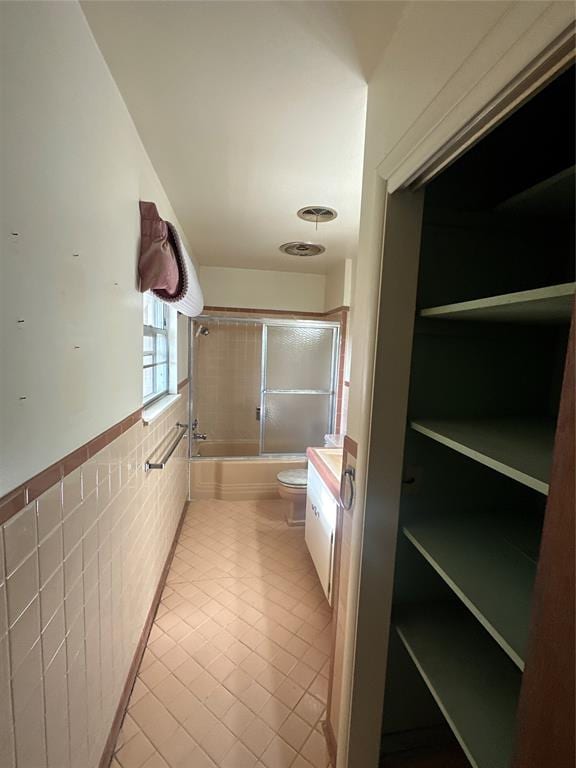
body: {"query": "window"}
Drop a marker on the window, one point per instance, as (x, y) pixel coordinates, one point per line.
(156, 348)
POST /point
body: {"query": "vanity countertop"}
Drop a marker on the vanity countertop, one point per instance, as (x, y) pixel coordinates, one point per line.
(328, 463)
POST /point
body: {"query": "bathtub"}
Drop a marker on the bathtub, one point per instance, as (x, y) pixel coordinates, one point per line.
(236, 479)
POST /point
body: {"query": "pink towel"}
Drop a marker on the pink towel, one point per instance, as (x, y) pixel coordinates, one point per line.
(157, 267)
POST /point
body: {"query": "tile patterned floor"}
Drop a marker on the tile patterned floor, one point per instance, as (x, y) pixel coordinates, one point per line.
(235, 671)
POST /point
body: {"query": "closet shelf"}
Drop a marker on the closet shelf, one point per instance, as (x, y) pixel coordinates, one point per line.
(551, 197)
(487, 571)
(475, 685)
(552, 304)
(518, 448)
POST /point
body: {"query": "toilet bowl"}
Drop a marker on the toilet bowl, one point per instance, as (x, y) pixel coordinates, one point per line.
(292, 485)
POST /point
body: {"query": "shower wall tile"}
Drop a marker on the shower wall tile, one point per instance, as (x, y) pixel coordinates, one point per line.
(78, 569)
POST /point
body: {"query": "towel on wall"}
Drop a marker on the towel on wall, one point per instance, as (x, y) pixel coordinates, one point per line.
(164, 266)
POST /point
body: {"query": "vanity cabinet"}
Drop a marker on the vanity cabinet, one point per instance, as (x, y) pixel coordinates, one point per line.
(321, 510)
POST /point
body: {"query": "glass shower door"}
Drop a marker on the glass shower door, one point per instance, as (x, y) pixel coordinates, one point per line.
(298, 386)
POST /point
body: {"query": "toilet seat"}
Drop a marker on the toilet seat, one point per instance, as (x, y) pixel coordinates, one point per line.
(293, 478)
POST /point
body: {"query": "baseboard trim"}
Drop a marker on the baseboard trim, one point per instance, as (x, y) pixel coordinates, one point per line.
(330, 741)
(108, 753)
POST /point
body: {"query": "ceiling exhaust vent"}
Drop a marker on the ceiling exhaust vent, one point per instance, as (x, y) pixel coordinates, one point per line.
(300, 248)
(317, 213)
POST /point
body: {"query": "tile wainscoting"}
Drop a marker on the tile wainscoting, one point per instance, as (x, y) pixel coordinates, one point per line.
(79, 568)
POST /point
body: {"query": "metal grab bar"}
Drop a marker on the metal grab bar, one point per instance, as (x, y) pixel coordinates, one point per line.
(161, 464)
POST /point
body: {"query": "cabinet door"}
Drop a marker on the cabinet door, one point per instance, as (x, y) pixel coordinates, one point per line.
(319, 531)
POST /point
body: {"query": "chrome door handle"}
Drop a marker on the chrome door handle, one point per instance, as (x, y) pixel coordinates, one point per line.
(349, 478)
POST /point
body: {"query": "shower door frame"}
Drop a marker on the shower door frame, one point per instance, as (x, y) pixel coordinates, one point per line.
(265, 322)
(327, 324)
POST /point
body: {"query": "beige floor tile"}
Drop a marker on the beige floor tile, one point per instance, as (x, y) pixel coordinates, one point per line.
(315, 750)
(220, 701)
(156, 761)
(200, 722)
(319, 688)
(289, 693)
(257, 736)
(174, 658)
(255, 697)
(154, 674)
(161, 644)
(217, 742)
(274, 713)
(278, 754)
(154, 720)
(301, 762)
(188, 671)
(135, 752)
(309, 708)
(295, 731)
(178, 749)
(183, 706)
(238, 718)
(129, 729)
(168, 689)
(239, 757)
(302, 674)
(203, 685)
(235, 672)
(221, 667)
(271, 678)
(237, 652)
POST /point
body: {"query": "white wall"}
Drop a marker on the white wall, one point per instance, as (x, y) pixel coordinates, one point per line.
(262, 289)
(339, 285)
(73, 169)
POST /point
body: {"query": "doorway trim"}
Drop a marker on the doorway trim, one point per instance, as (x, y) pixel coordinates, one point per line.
(393, 179)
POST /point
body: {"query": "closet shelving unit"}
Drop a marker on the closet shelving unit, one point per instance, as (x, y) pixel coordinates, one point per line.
(471, 650)
(474, 680)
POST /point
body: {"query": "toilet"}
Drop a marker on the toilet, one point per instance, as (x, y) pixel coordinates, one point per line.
(292, 485)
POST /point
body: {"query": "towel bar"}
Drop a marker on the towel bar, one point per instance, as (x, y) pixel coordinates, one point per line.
(161, 464)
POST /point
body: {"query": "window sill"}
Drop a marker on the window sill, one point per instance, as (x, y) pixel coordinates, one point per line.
(151, 412)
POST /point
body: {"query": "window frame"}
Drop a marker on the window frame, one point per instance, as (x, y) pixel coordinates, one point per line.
(156, 332)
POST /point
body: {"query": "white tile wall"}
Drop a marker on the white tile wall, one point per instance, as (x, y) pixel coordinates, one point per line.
(78, 570)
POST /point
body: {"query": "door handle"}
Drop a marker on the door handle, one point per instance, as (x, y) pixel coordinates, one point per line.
(348, 478)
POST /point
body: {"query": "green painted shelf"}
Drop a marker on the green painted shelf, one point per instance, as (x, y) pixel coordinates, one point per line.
(549, 305)
(492, 576)
(518, 448)
(475, 685)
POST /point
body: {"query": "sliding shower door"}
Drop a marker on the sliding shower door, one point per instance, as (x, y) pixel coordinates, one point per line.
(298, 385)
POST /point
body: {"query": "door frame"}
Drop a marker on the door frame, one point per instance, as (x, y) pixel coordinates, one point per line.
(398, 188)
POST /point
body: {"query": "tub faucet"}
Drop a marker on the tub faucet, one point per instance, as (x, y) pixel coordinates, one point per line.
(197, 435)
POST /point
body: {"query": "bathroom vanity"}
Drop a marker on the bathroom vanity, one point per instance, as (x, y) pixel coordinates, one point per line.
(324, 467)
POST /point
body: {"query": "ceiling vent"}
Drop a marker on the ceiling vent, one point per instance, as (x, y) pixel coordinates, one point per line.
(302, 249)
(317, 213)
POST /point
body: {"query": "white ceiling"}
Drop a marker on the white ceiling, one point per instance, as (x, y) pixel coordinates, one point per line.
(249, 111)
